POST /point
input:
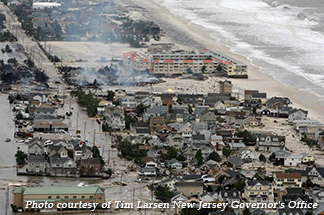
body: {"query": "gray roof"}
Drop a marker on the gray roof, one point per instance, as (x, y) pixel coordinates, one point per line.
(237, 161)
(59, 160)
(36, 158)
(191, 177)
(254, 182)
(198, 137)
(191, 184)
(157, 109)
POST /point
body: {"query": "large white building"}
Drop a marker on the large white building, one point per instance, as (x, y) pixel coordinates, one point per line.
(169, 64)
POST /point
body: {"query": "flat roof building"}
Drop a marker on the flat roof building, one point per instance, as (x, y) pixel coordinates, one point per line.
(178, 63)
(56, 195)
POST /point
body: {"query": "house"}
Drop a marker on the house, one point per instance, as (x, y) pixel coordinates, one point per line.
(217, 141)
(198, 127)
(57, 151)
(320, 140)
(189, 189)
(149, 162)
(308, 159)
(128, 102)
(186, 131)
(227, 196)
(179, 198)
(246, 155)
(190, 99)
(147, 171)
(297, 114)
(175, 164)
(208, 167)
(45, 111)
(170, 182)
(225, 86)
(175, 140)
(208, 116)
(36, 148)
(156, 111)
(142, 129)
(36, 164)
(270, 143)
(206, 151)
(206, 197)
(317, 194)
(114, 117)
(276, 102)
(188, 153)
(220, 107)
(259, 191)
(64, 167)
(90, 167)
(156, 122)
(234, 162)
(198, 140)
(236, 145)
(316, 174)
(82, 152)
(58, 194)
(293, 160)
(286, 180)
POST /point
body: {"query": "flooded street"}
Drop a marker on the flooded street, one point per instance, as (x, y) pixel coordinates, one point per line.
(88, 126)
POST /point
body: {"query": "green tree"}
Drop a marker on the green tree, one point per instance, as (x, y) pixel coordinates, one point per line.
(272, 157)
(214, 156)
(221, 179)
(181, 158)
(209, 189)
(129, 120)
(171, 153)
(20, 157)
(19, 116)
(240, 184)
(248, 138)
(140, 109)
(163, 193)
(309, 183)
(226, 152)
(199, 157)
(96, 154)
(106, 127)
(262, 158)
(40, 76)
(190, 110)
(170, 109)
(246, 211)
(110, 95)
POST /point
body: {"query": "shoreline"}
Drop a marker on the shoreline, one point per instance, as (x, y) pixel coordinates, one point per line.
(190, 35)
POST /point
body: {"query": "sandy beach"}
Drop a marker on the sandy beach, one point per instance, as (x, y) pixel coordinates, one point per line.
(195, 37)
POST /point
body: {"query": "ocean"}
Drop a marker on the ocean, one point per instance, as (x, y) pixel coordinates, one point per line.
(284, 38)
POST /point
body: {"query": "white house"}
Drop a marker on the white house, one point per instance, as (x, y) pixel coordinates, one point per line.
(297, 114)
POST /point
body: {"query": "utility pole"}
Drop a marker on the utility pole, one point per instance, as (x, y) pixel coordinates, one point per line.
(94, 137)
(84, 131)
(77, 125)
(134, 195)
(7, 199)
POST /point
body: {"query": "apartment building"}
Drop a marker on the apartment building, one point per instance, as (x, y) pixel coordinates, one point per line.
(283, 180)
(178, 63)
(259, 191)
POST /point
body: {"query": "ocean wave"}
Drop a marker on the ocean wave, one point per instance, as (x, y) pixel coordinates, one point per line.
(278, 38)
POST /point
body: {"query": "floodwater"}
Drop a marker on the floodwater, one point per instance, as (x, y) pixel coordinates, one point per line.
(79, 120)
